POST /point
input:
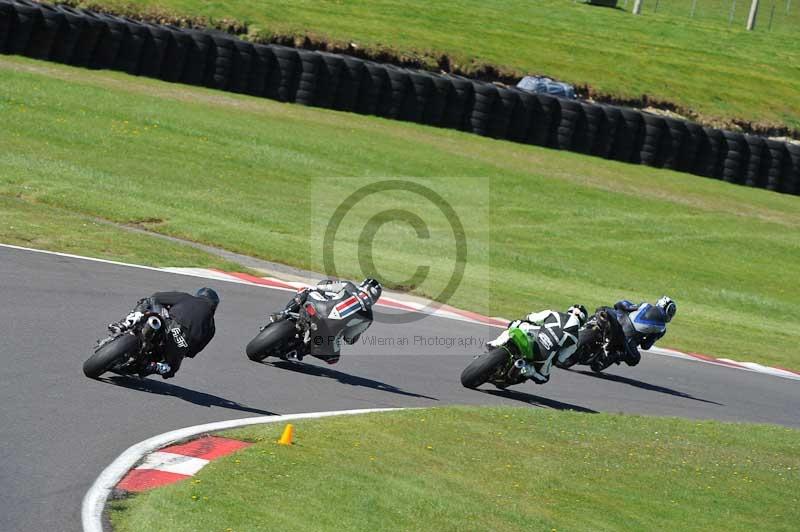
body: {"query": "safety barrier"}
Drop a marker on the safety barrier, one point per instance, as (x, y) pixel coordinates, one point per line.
(217, 60)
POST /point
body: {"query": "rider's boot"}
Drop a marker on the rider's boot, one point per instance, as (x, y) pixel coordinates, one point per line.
(527, 370)
(161, 368)
(130, 320)
(277, 316)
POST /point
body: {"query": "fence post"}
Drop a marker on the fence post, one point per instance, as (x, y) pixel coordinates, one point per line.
(637, 7)
(694, 6)
(751, 18)
(788, 5)
(733, 11)
(655, 9)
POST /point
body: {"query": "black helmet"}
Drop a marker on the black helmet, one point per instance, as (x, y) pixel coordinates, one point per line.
(580, 311)
(210, 294)
(372, 287)
(668, 306)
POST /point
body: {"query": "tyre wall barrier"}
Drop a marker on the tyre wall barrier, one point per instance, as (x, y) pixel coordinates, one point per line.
(672, 154)
(214, 59)
(654, 131)
(571, 126)
(26, 18)
(755, 174)
(175, 55)
(791, 179)
(7, 15)
(459, 107)
(589, 140)
(607, 133)
(374, 89)
(521, 120)
(485, 96)
(351, 84)
(734, 163)
(778, 164)
(66, 40)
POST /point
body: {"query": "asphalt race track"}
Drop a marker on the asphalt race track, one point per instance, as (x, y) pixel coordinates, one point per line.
(60, 429)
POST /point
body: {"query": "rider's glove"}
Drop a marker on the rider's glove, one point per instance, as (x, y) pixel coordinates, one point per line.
(133, 318)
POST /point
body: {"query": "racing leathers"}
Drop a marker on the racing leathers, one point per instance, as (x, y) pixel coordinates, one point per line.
(554, 336)
(643, 325)
(189, 327)
(329, 290)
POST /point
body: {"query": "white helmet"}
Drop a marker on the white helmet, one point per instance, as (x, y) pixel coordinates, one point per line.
(668, 306)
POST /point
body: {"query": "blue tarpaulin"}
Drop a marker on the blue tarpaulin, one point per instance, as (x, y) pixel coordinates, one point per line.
(546, 86)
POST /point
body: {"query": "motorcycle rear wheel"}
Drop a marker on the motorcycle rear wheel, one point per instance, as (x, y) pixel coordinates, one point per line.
(483, 367)
(110, 354)
(270, 340)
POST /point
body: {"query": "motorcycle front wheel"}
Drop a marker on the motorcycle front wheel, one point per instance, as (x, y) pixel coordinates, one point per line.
(115, 351)
(270, 340)
(483, 367)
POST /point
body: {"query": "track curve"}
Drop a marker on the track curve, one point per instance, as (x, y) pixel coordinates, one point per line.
(61, 429)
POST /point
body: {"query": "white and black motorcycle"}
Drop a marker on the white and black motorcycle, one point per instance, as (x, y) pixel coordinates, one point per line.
(317, 327)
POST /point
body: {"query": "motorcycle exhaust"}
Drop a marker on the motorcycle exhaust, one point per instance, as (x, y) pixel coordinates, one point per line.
(516, 369)
(151, 326)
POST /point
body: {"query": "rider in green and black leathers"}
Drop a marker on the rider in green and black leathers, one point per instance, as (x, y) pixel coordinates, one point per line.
(554, 336)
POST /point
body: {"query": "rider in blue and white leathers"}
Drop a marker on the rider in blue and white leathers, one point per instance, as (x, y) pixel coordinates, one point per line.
(643, 325)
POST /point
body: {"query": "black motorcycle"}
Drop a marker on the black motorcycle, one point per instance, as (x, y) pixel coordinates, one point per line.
(128, 352)
(601, 343)
(317, 328)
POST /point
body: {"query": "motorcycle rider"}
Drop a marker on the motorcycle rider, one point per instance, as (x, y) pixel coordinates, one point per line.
(554, 336)
(189, 322)
(643, 325)
(367, 293)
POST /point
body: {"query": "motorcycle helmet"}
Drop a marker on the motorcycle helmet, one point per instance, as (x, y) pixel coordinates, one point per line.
(210, 294)
(668, 306)
(372, 287)
(580, 311)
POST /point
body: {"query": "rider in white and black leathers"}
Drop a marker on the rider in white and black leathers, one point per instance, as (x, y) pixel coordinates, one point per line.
(554, 336)
(643, 325)
(331, 290)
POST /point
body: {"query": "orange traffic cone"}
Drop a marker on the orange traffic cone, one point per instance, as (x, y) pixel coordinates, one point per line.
(288, 434)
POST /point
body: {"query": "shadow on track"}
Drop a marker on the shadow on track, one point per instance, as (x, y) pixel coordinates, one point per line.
(344, 378)
(535, 400)
(191, 396)
(645, 386)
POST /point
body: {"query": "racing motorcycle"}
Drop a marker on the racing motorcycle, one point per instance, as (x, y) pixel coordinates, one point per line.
(317, 328)
(126, 353)
(501, 366)
(601, 342)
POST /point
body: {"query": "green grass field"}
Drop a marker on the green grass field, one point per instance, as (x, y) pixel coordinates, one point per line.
(30, 224)
(488, 469)
(544, 228)
(701, 64)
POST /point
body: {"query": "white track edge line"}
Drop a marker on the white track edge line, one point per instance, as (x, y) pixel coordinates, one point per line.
(95, 499)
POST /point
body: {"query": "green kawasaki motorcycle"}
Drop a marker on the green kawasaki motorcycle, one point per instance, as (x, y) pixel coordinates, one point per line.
(501, 366)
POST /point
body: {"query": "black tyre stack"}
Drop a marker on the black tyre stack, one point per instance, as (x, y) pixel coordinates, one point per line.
(218, 60)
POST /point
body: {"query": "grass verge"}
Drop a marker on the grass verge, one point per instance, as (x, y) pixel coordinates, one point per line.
(710, 70)
(546, 228)
(28, 224)
(488, 469)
